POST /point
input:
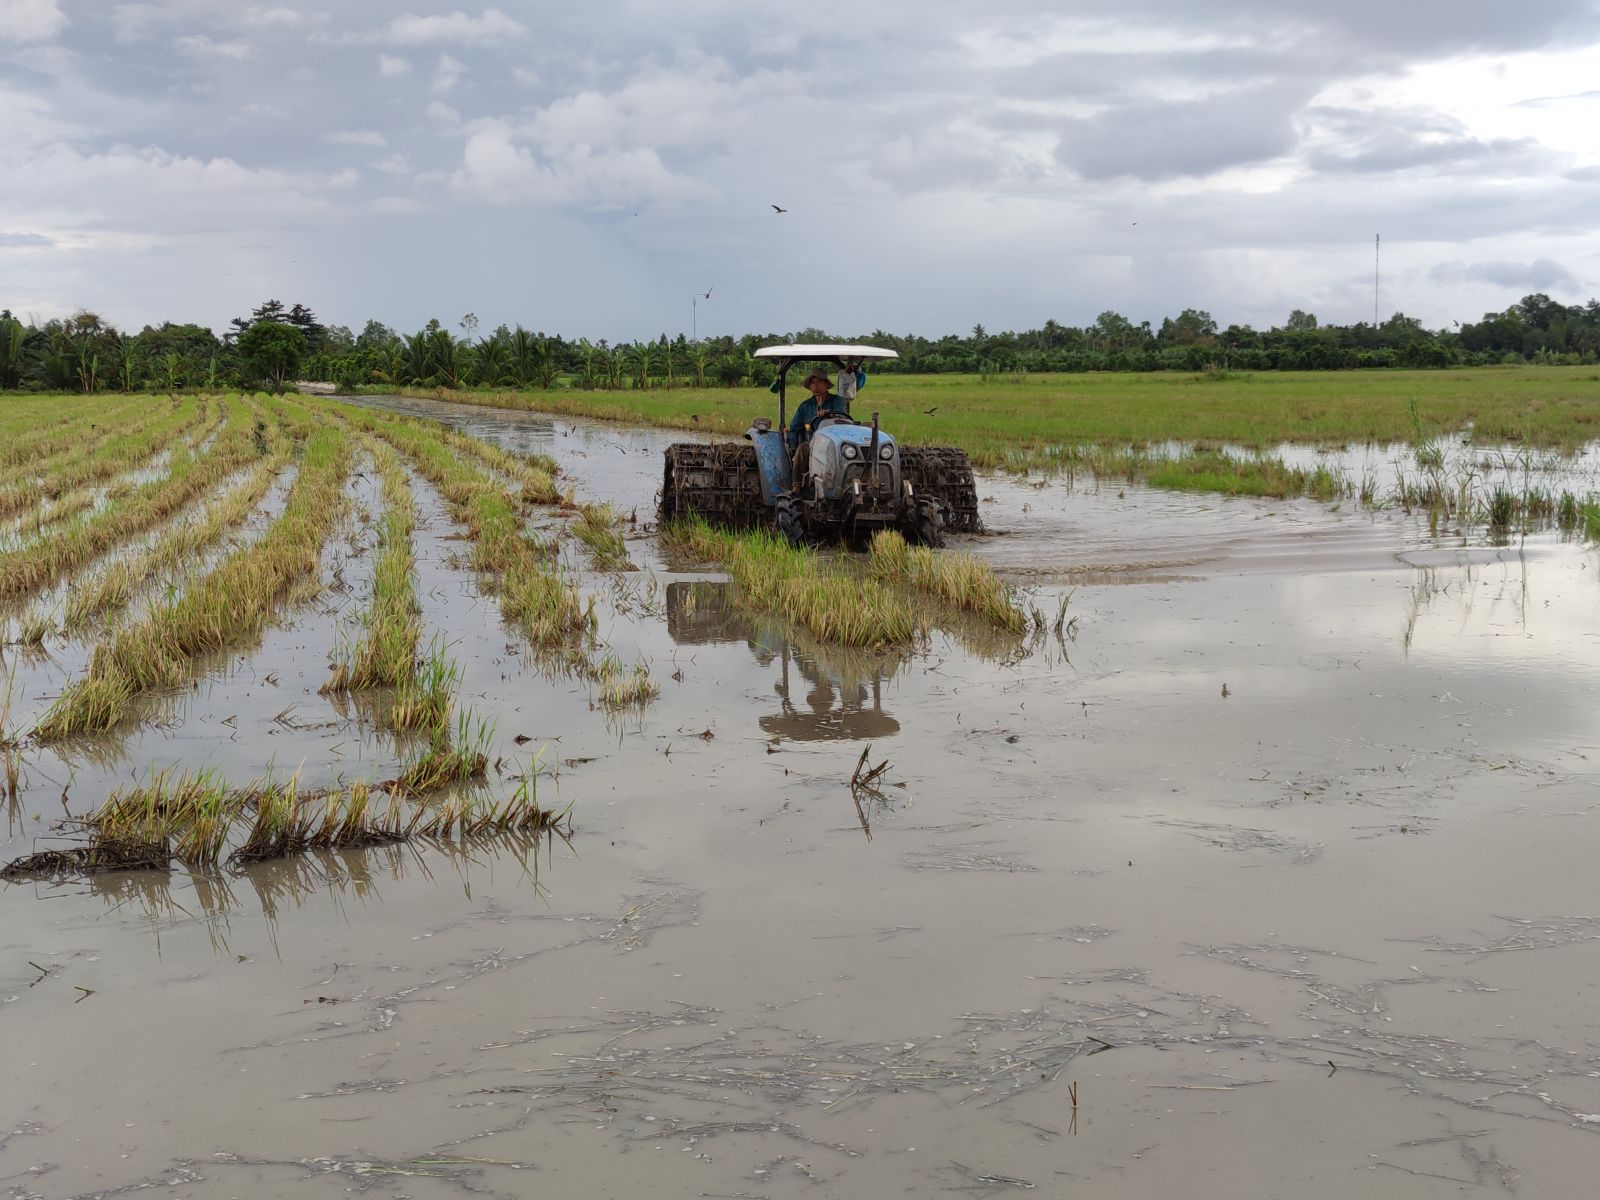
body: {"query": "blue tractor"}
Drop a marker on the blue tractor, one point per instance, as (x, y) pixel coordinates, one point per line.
(851, 480)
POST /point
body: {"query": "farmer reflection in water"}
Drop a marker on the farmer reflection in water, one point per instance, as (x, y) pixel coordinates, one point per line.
(822, 400)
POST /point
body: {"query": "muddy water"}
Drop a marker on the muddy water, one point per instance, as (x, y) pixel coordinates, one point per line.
(1280, 860)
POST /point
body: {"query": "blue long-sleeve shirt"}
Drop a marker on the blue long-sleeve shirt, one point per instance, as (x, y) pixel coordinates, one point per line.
(806, 412)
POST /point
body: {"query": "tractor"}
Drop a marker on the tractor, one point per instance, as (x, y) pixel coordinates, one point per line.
(858, 479)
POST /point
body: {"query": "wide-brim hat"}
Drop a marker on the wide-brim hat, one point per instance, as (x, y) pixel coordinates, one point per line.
(816, 373)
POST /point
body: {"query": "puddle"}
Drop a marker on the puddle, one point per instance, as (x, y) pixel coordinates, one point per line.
(1279, 868)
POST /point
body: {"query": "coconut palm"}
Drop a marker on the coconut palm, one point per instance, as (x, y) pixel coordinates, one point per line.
(492, 360)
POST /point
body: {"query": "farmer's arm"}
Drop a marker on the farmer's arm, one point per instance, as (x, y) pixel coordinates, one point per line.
(797, 423)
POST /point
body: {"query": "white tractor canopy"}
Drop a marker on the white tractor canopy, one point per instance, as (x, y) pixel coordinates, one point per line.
(826, 351)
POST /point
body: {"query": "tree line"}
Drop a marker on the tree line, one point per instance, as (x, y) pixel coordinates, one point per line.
(276, 344)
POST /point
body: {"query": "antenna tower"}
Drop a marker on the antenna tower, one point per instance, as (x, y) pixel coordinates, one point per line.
(1377, 244)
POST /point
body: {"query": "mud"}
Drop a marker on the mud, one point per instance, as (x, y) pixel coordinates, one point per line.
(1271, 876)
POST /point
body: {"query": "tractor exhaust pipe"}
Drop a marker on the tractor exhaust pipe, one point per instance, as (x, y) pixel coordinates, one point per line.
(872, 454)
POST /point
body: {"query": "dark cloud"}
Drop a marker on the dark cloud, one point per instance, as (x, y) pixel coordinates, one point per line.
(1400, 150)
(1163, 140)
(1541, 275)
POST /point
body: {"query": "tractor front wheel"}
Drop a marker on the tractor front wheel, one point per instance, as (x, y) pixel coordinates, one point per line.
(927, 523)
(790, 523)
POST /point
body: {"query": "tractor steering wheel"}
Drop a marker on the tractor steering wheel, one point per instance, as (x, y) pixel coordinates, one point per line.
(830, 418)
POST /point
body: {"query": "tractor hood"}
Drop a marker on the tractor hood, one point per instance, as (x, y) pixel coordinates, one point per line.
(839, 456)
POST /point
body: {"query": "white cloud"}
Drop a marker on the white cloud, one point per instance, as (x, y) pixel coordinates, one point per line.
(441, 113)
(457, 28)
(391, 164)
(355, 137)
(200, 46)
(392, 67)
(700, 103)
(31, 20)
(494, 168)
(31, 121)
(263, 17)
(400, 206)
(447, 74)
(59, 187)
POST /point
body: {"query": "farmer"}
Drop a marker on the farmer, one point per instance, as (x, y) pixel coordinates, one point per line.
(823, 399)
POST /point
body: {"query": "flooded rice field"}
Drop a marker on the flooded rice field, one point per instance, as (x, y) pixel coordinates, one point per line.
(1270, 873)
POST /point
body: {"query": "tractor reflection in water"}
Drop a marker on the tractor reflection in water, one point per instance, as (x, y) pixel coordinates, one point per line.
(825, 693)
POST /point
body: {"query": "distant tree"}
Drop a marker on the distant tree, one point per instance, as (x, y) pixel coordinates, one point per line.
(375, 335)
(1301, 322)
(1191, 327)
(13, 344)
(272, 351)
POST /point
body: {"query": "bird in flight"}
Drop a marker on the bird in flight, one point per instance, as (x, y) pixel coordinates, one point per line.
(776, 209)
(706, 295)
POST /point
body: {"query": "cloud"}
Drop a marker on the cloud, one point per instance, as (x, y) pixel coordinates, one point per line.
(1542, 101)
(1385, 141)
(31, 20)
(392, 164)
(355, 137)
(1164, 139)
(441, 113)
(399, 206)
(158, 191)
(447, 74)
(392, 67)
(456, 28)
(1541, 275)
(262, 17)
(201, 46)
(496, 169)
(23, 240)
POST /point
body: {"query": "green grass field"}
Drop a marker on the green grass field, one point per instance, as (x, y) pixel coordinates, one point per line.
(1042, 420)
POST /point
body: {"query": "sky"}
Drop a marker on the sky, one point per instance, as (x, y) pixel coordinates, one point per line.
(587, 169)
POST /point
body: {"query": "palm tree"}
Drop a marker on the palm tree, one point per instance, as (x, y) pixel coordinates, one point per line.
(544, 362)
(700, 356)
(493, 359)
(523, 356)
(414, 366)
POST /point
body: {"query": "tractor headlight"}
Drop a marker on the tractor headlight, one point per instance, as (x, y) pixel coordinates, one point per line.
(850, 451)
(886, 451)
